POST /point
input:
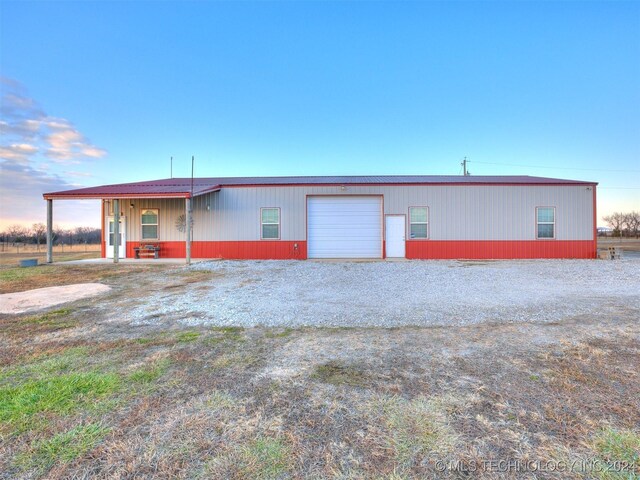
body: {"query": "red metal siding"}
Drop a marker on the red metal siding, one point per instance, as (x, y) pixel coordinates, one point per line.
(167, 249)
(504, 249)
(595, 225)
(249, 250)
(259, 250)
(425, 250)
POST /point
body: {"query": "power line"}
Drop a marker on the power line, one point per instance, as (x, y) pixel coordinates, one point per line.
(558, 168)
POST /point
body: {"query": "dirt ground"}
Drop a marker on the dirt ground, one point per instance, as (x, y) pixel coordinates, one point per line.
(86, 395)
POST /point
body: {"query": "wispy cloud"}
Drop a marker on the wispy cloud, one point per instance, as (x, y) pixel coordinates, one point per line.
(21, 189)
(34, 149)
(24, 123)
(17, 151)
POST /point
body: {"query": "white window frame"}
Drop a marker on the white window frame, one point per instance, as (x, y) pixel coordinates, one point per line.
(411, 222)
(546, 223)
(262, 223)
(157, 224)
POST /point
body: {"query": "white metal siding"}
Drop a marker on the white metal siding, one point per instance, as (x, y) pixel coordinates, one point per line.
(344, 227)
(473, 212)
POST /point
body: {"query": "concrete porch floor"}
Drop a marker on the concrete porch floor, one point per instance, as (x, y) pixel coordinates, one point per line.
(174, 261)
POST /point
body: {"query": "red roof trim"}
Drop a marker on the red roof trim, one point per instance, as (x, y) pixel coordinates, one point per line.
(416, 184)
(86, 196)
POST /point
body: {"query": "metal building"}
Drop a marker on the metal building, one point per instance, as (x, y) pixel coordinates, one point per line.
(415, 217)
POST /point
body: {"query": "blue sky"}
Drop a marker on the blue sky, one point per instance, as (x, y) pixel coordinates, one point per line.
(107, 92)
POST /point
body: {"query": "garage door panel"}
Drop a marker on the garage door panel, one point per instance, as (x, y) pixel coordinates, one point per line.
(344, 227)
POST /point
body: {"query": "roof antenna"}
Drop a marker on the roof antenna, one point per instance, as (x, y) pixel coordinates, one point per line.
(171, 171)
(465, 172)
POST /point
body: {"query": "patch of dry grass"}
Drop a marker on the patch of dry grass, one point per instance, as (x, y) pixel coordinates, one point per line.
(20, 279)
(310, 403)
(63, 447)
(262, 458)
(414, 430)
(52, 321)
(11, 258)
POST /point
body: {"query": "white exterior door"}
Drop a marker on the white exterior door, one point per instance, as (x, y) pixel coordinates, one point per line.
(122, 247)
(344, 227)
(395, 236)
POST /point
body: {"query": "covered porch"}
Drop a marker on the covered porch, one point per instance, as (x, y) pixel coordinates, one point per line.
(119, 202)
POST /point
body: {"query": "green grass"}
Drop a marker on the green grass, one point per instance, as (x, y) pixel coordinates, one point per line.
(265, 458)
(150, 373)
(336, 373)
(47, 365)
(284, 333)
(618, 447)
(217, 400)
(228, 330)
(63, 447)
(19, 273)
(56, 318)
(187, 337)
(61, 394)
(226, 334)
(36, 324)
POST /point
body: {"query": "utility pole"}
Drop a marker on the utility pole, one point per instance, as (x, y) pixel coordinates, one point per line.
(171, 170)
(188, 218)
(465, 172)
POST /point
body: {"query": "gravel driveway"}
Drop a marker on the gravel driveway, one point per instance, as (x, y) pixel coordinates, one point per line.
(295, 293)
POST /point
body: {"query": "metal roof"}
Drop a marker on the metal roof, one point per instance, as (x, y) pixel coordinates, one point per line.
(184, 188)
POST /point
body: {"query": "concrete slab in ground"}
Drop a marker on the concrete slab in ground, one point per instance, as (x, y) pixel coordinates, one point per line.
(40, 298)
(137, 261)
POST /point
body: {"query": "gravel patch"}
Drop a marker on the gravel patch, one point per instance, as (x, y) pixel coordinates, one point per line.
(391, 294)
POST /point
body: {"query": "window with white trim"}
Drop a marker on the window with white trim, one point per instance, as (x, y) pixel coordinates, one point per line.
(418, 222)
(270, 223)
(546, 222)
(149, 222)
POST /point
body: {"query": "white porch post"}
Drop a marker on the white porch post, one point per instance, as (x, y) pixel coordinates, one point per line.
(187, 206)
(49, 230)
(116, 230)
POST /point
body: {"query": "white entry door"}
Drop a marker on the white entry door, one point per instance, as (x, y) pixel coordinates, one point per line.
(122, 247)
(395, 236)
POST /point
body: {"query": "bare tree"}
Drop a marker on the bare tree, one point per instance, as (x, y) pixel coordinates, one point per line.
(58, 235)
(87, 235)
(38, 231)
(632, 223)
(615, 221)
(17, 233)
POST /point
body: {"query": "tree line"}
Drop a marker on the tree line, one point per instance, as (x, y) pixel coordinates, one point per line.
(624, 224)
(37, 235)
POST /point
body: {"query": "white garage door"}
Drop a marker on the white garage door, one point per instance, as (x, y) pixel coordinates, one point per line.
(344, 227)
